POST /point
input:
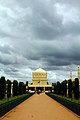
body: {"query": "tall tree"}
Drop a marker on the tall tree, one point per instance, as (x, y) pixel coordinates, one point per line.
(55, 88)
(21, 85)
(15, 88)
(76, 89)
(58, 88)
(62, 88)
(8, 88)
(26, 83)
(65, 87)
(2, 87)
(24, 89)
(70, 88)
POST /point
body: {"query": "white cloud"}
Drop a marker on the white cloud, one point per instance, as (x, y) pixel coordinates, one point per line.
(68, 13)
(39, 33)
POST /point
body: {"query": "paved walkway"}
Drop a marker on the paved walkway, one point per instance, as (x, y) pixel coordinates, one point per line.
(40, 107)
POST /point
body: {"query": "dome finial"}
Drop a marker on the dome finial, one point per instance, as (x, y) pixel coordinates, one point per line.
(40, 70)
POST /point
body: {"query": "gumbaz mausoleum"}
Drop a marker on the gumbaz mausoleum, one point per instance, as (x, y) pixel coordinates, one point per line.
(40, 81)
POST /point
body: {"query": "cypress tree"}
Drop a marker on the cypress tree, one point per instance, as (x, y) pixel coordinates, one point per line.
(15, 88)
(21, 88)
(24, 89)
(70, 88)
(62, 88)
(2, 87)
(55, 89)
(26, 83)
(76, 89)
(65, 87)
(58, 88)
(8, 88)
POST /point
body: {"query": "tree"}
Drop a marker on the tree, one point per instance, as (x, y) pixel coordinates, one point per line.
(24, 89)
(62, 89)
(70, 88)
(8, 88)
(55, 88)
(76, 89)
(58, 88)
(21, 86)
(2, 87)
(15, 88)
(26, 83)
(65, 87)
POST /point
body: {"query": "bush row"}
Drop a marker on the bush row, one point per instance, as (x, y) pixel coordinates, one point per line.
(75, 107)
(8, 88)
(5, 107)
(67, 88)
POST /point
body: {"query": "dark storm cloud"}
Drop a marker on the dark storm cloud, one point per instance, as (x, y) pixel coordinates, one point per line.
(39, 32)
(55, 53)
(46, 22)
(74, 2)
(11, 71)
(6, 49)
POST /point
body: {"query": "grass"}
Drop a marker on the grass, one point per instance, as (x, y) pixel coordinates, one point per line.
(72, 104)
(11, 98)
(67, 98)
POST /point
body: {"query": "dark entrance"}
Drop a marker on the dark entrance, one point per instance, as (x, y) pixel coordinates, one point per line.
(41, 89)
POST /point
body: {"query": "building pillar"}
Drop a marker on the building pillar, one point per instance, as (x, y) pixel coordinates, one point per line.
(79, 72)
(79, 76)
(70, 74)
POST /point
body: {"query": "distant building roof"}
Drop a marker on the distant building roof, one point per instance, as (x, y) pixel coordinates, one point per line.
(40, 70)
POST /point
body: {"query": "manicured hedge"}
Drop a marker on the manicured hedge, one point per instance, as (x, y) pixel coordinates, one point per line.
(5, 107)
(75, 107)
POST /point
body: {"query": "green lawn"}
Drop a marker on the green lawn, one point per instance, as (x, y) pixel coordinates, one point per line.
(11, 98)
(70, 99)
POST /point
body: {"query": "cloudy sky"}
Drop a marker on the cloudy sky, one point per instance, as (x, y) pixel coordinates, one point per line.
(37, 33)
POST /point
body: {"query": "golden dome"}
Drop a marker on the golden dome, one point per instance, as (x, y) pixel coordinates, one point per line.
(40, 70)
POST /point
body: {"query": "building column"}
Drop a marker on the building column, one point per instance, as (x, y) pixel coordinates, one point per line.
(79, 72)
(70, 74)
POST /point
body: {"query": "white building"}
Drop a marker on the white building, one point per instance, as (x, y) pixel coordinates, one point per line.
(40, 80)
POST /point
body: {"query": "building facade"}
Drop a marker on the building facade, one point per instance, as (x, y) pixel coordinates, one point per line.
(39, 77)
(40, 80)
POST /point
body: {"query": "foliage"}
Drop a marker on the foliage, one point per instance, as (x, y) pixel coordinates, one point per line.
(13, 102)
(55, 89)
(64, 88)
(70, 88)
(8, 88)
(72, 105)
(24, 89)
(2, 87)
(26, 83)
(15, 88)
(76, 88)
(58, 88)
(21, 87)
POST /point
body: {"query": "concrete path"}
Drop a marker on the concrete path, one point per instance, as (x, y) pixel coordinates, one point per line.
(40, 107)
